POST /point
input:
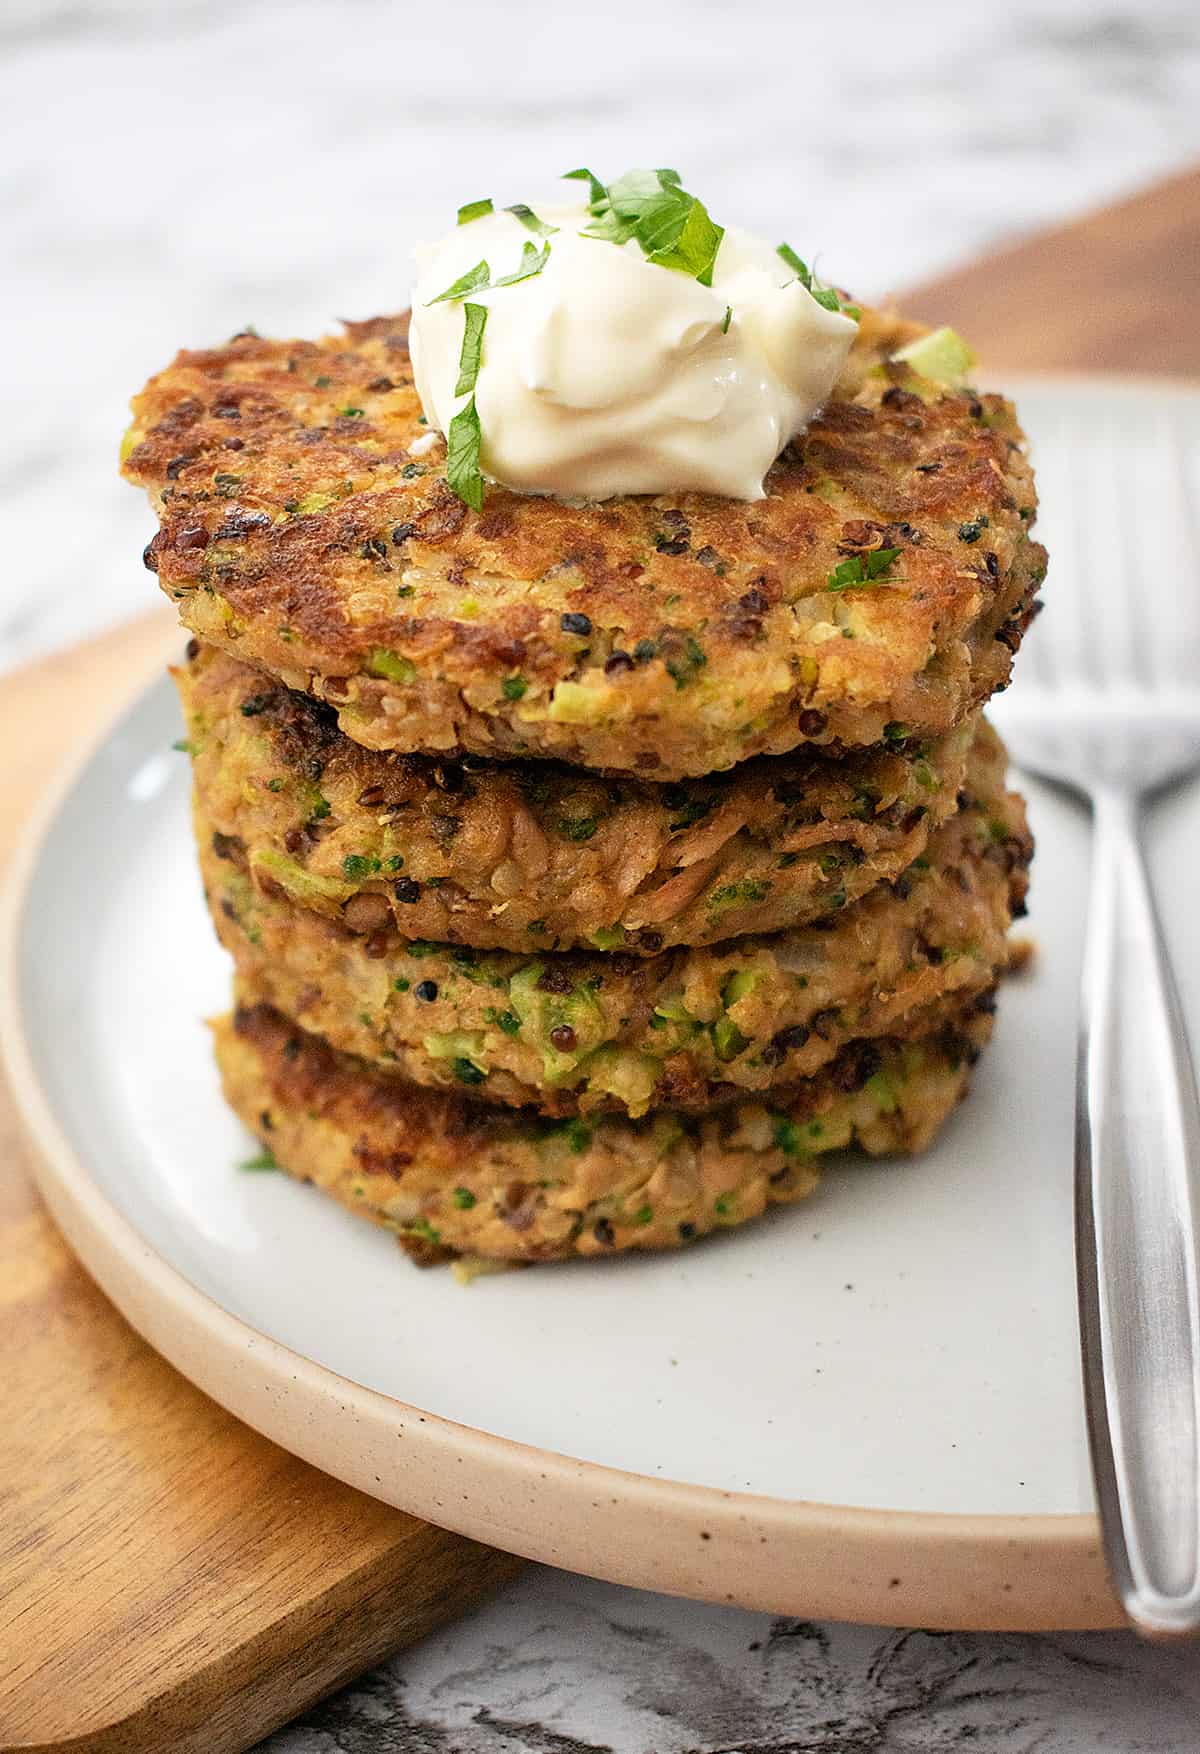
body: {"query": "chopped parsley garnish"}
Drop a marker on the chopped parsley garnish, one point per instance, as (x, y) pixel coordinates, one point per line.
(472, 348)
(474, 278)
(596, 189)
(464, 437)
(464, 1199)
(475, 210)
(861, 570)
(357, 865)
(479, 278)
(533, 261)
(513, 687)
(530, 220)
(672, 227)
(264, 1160)
(825, 296)
(462, 457)
(727, 320)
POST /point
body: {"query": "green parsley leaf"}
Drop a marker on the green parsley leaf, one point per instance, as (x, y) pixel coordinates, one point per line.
(462, 457)
(694, 249)
(861, 570)
(475, 210)
(532, 262)
(464, 1199)
(513, 687)
(797, 265)
(672, 227)
(264, 1160)
(479, 278)
(596, 189)
(825, 296)
(474, 278)
(530, 220)
(880, 560)
(655, 208)
(472, 348)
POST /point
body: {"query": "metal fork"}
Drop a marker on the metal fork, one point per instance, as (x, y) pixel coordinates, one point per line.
(1108, 705)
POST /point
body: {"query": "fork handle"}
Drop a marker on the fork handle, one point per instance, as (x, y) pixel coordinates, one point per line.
(1137, 1253)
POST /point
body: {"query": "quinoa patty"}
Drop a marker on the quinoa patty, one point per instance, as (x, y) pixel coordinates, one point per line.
(307, 526)
(531, 855)
(687, 1029)
(450, 1176)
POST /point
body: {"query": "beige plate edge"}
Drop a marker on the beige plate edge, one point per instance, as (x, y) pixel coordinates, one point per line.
(822, 1561)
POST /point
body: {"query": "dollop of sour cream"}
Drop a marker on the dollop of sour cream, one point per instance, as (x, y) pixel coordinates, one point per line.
(607, 374)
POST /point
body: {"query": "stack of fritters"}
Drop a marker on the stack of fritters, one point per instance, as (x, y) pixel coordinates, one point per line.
(589, 871)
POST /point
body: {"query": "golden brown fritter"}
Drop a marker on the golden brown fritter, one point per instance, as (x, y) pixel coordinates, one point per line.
(306, 525)
(532, 855)
(687, 1029)
(450, 1176)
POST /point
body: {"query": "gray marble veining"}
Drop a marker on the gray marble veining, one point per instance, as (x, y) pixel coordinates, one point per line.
(172, 172)
(559, 1665)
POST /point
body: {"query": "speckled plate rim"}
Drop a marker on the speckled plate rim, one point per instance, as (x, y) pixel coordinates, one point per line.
(825, 1561)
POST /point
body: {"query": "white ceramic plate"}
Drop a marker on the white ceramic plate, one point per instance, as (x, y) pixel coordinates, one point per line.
(867, 1406)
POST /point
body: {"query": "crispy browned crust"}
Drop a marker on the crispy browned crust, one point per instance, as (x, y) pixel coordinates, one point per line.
(524, 855)
(302, 531)
(688, 1029)
(450, 1176)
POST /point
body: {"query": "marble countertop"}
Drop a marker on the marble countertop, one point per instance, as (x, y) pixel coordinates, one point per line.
(172, 174)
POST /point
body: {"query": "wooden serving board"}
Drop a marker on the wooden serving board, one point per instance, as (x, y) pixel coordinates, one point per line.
(169, 1581)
